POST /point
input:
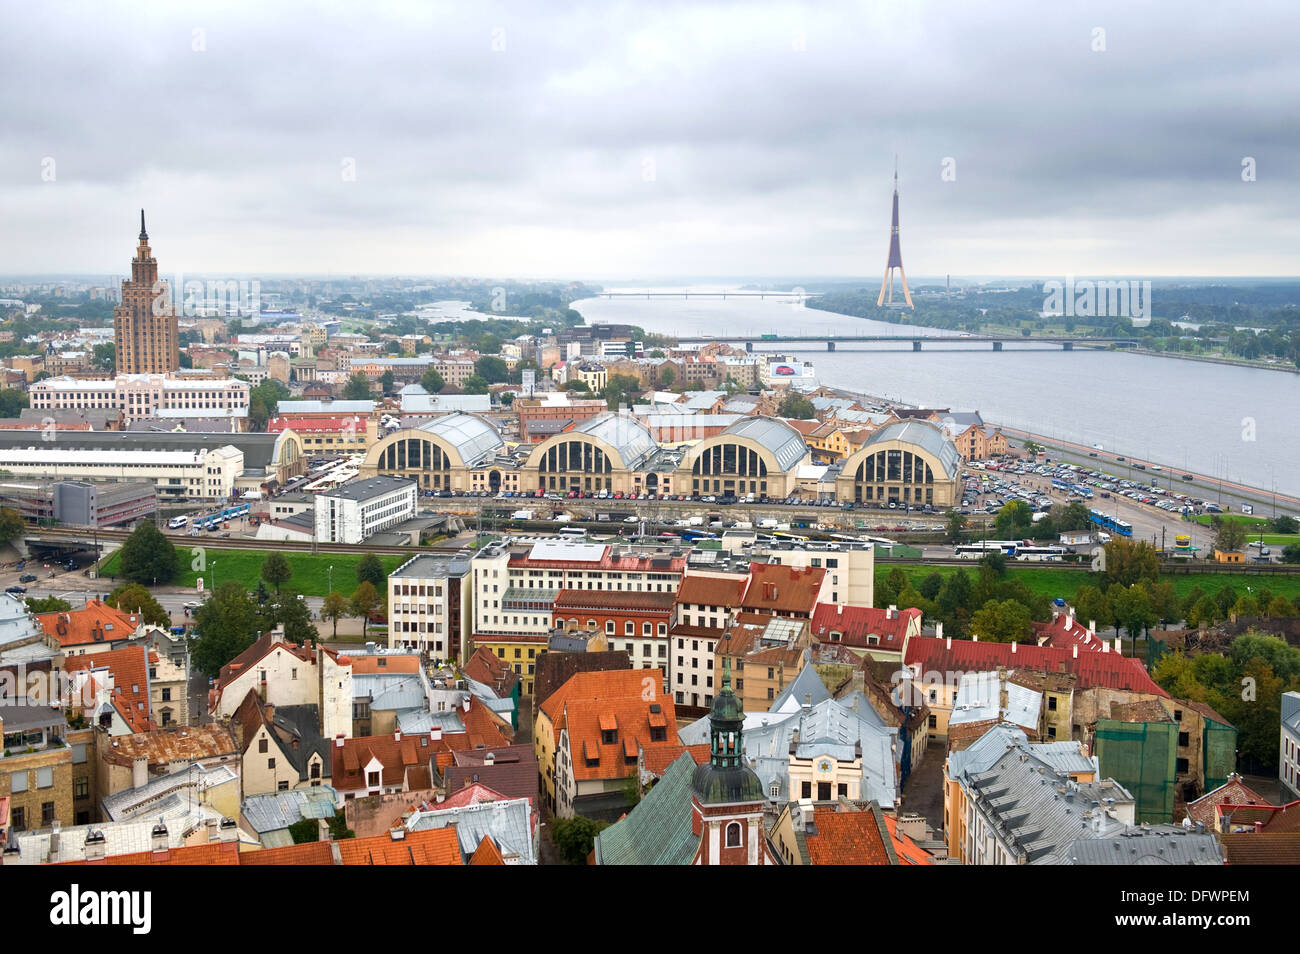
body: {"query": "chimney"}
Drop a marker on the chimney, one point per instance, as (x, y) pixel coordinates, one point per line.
(95, 845)
(212, 829)
(948, 643)
(1117, 645)
(397, 735)
(1092, 627)
(54, 843)
(938, 631)
(1013, 647)
(490, 759)
(435, 734)
(1076, 650)
(322, 830)
(338, 741)
(139, 771)
(270, 711)
(158, 836)
(893, 611)
(974, 637)
(465, 704)
(228, 831)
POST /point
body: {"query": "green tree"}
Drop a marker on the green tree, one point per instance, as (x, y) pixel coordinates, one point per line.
(1227, 599)
(12, 401)
(621, 389)
(489, 344)
(334, 608)
(1013, 520)
(105, 356)
(577, 384)
(1129, 562)
(1246, 605)
(432, 381)
(1073, 518)
(386, 381)
(1284, 524)
(12, 525)
(1257, 719)
(1279, 606)
(575, 838)
(796, 407)
(370, 570)
(357, 388)
(1281, 657)
(148, 557)
(295, 616)
(365, 602)
(1090, 604)
(132, 598)
(931, 586)
(1230, 536)
(226, 624)
(1291, 553)
(475, 385)
(1002, 622)
(492, 370)
(263, 402)
(994, 563)
(667, 375)
(956, 527)
(1131, 608)
(276, 569)
(1205, 610)
(47, 604)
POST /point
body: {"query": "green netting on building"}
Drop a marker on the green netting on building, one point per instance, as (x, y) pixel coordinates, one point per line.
(1141, 756)
(1219, 748)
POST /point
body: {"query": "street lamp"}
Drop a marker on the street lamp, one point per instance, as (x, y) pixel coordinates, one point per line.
(331, 579)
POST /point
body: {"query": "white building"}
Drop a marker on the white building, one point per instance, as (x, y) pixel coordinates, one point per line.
(145, 396)
(362, 508)
(429, 606)
(1289, 766)
(199, 474)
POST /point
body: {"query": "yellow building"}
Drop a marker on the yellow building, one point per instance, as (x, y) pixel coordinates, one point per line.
(519, 651)
(911, 462)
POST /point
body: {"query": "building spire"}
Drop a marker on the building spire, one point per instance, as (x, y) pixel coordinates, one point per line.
(144, 236)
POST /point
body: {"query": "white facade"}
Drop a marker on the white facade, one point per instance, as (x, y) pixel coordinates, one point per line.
(145, 396)
(175, 474)
(1289, 764)
(420, 603)
(283, 678)
(355, 511)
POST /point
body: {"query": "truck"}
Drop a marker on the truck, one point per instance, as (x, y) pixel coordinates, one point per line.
(696, 522)
(767, 523)
(522, 515)
(1076, 538)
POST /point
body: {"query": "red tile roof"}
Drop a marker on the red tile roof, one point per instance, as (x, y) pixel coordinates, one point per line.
(711, 590)
(97, 622)
(1232, 792)
(435, 846)
(580, 704)
(614, 601)
(174, 743)
(656, 760)
(908, 851)
(846, 838)
(775, 588)
(486, 667)
(129, 668)
(381, 665)
(1261, 849)
(487, 853)
(1107, 670)
(1066, 631)
(855, 623)
(1269, 819)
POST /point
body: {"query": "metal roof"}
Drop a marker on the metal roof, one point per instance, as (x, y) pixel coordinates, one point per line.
(628, 436)
(473, 438)
(508, 822)
(1156, 845)
(979, 700)
(658, 830)
(276, 810)
(929, 437)
(785, 443)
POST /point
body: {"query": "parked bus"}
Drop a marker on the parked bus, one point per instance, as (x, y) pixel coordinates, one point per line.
(973, 551)
(783, 535)
(175, 523)
(1043, 554)
(573, 532)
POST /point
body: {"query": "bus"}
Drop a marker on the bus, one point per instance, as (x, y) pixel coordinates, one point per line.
(784, 535)
(573, 533)
(1107, 522)
(973, 551)
(1043, 554)
(175, 523)
(239, 510)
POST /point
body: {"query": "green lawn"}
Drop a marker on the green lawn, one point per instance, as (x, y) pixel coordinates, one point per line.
(310, 570)
(1063, 583)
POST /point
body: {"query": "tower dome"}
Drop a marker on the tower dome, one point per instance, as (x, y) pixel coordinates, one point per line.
(725, 779)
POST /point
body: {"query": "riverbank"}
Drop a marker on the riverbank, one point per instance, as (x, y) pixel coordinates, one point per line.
(1210, 359)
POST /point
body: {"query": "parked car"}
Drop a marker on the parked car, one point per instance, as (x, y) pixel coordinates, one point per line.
(15, 589)
(27, 578)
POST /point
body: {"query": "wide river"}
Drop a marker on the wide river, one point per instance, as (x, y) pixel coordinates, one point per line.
(1240, 424)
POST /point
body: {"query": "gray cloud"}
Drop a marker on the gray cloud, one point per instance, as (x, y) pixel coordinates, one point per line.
(766, 158)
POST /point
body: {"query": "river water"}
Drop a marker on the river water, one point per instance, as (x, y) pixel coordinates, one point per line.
(1238, 424)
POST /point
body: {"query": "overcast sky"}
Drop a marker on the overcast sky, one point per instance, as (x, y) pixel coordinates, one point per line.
(612, 140)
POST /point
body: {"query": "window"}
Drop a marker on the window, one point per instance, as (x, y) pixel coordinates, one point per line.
(262, 746)
(806, 790)
(1183, 740)
(282, 787)
(45, 777)
(270, 763)
(609, 627)
(842, 790)
(18, 817)
(47, 814)
(733, 835)
(167, 695)
(1182, 767)
(934, 722)
(629, 628)
(1051, 703)
(372, 779)
(81, 789)
(775, 790)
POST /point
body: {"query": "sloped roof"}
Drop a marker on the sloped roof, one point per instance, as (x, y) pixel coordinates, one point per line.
(778, 588)
(79, 626)
(856, 623)
(129, 667)
(710, 590)
(658, 830)
(784, 441)
(1153, 845)
(848, 837)
(1232, 792)
(929, 437)
(473, 438)
(628, 436)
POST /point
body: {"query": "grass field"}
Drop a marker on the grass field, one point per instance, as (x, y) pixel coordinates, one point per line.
(1063, 583)
(311, 575)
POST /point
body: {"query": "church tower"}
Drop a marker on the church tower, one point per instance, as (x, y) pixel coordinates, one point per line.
(726, 795)
(144, 325)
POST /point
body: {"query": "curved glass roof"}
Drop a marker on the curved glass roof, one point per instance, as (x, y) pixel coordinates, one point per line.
(929, 437)
(624, 433)
(778, 437)
(473, 438)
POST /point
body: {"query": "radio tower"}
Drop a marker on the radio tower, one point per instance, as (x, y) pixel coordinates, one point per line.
(895, 257)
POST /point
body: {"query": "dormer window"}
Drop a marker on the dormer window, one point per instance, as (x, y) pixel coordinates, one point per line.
(835, 636)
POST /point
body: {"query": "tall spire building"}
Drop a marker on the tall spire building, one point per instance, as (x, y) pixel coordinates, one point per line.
(144, 325)
(895, 257)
